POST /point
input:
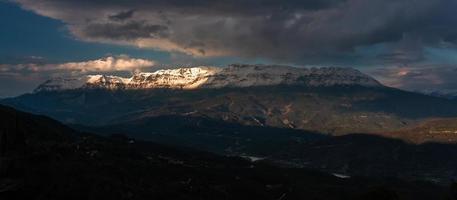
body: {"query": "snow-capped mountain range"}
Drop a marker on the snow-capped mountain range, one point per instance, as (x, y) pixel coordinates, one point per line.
(217, 77)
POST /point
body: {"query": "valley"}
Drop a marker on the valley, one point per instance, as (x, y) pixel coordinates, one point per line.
(43, 158)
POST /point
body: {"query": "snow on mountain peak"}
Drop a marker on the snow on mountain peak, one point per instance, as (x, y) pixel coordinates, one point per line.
(215, 77)
(182, 78)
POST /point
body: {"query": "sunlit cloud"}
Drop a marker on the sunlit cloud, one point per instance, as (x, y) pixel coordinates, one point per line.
(110, 63)
(107, 64)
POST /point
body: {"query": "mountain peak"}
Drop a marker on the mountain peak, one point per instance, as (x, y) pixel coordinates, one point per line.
(236, 75)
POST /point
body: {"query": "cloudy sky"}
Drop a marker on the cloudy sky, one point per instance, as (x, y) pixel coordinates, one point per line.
(409, 44)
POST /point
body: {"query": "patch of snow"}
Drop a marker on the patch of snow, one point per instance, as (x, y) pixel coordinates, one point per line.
(253, 158)
(341, 176)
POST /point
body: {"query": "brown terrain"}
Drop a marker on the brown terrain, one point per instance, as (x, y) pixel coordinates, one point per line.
(433, 130)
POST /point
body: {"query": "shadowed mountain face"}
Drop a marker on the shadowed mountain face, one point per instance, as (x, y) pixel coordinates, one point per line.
(47, 160)
(332, 110)
(17, 128)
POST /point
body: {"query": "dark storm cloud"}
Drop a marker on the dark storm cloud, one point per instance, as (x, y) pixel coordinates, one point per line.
(124, 31)
(400, 57)
(302, 32)
(195, 6)
(122, 15)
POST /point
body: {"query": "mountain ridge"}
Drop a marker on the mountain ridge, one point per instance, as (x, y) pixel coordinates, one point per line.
(272, 96)
(214, 77)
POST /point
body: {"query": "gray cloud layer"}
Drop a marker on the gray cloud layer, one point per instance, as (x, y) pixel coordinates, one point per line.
(106, 64)
(302, 32)
(419, 78)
